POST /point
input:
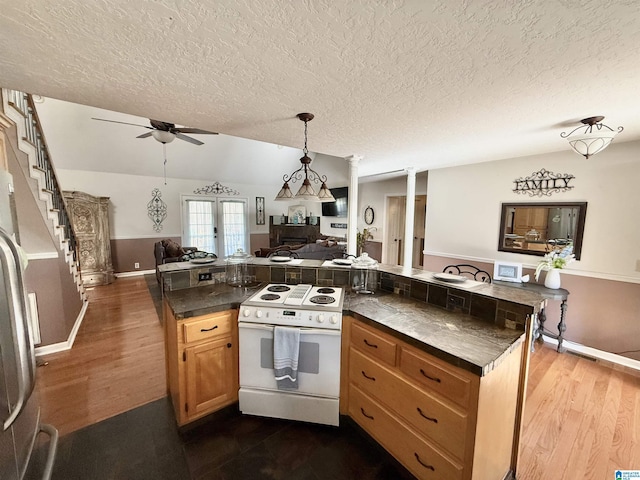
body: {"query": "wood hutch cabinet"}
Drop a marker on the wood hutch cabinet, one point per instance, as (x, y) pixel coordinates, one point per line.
(90, 220)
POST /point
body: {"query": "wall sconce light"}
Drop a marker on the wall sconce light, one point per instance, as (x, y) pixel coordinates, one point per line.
(592, 137)
(306, 191)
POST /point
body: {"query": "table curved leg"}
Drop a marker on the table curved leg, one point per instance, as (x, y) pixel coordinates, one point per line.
(561, 326)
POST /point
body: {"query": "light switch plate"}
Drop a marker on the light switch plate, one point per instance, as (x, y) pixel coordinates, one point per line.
(637, 265)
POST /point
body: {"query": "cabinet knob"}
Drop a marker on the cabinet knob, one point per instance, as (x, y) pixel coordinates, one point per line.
(229, 345)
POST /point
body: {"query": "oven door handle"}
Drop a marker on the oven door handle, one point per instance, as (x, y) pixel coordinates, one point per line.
(303, 330)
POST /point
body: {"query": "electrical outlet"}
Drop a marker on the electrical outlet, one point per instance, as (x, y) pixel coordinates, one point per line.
(204, 276)
(136, 265)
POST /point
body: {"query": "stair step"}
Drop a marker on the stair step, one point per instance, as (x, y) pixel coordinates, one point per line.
(40, 169)
(25, 139)
(46, 190)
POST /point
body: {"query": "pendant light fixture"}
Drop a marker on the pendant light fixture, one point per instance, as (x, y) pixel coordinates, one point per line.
(307, 175)
(592, 137)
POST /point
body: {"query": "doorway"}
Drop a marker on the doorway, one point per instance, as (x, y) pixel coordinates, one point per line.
(214, 225)
(395, 241)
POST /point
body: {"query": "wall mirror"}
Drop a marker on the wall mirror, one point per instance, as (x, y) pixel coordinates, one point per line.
(536, 228)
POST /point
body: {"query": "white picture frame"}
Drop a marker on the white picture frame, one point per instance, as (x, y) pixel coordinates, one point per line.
(298, 212)
(507, 271)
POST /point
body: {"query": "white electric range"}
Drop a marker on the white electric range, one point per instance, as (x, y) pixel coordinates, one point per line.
(317, 313)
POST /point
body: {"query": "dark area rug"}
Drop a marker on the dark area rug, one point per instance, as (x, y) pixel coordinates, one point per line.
(156, 293)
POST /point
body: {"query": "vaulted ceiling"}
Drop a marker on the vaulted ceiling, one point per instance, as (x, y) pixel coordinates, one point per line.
(402, 83)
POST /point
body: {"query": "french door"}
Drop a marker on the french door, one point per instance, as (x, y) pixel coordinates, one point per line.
(215, 225)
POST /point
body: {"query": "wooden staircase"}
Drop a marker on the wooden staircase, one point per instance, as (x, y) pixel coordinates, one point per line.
(19, 108)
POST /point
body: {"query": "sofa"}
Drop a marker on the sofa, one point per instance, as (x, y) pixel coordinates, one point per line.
(311, 251)
(167, 251)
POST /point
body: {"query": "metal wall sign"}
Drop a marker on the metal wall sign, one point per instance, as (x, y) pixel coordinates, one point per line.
(543, 183)
(157, 209)
(216, 189)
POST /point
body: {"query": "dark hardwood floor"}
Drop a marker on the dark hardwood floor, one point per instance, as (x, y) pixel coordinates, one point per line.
(582, 418)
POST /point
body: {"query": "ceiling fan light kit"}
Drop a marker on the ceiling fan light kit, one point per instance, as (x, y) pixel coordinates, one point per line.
(307, 175)
(591, 137)
(162, 136)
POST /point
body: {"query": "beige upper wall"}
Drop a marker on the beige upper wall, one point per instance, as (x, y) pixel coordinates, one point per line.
(464, 205)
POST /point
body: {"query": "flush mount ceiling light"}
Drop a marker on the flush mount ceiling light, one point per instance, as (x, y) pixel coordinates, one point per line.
(592, 137)
(309, 175)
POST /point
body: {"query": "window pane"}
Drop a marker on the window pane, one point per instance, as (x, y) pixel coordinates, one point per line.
(234, 226)
(200, 228)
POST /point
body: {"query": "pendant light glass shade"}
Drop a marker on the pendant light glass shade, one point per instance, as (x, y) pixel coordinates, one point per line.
(285, 193)
(592, 137)
(307, 175)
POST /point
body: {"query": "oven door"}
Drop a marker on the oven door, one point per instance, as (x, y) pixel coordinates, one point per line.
(318, 364)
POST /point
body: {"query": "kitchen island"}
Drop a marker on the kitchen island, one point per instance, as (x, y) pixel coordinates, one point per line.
(459, 351)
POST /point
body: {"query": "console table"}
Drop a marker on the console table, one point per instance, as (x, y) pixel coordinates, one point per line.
(559, 294)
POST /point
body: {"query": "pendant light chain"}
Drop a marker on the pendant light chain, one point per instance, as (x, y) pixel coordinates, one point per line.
(305, 150)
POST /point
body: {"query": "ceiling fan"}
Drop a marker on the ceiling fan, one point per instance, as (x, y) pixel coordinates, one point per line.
(165, 132)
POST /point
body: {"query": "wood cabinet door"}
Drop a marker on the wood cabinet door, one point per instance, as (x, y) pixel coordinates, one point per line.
(211, 376)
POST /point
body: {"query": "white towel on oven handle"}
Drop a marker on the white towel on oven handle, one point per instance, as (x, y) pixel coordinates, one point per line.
(286, 350)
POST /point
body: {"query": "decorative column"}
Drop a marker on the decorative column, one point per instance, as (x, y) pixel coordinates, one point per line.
(352, 220)
(409, 215)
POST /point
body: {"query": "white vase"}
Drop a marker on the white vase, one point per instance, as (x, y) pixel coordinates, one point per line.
(552, 279)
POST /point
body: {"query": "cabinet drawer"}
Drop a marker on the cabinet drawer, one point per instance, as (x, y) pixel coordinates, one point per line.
(420, 457)
(437, 377)
(373, 344)
(207, 326)
(436, 420)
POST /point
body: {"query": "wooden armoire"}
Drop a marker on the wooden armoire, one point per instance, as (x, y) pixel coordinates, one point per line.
(90, 220)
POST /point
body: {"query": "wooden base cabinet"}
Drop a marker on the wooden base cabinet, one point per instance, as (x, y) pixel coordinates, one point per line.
(440, 421)
(202, 363)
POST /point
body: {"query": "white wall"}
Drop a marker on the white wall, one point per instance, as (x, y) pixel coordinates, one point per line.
(375, 194)
(463, 208)
(129, 195)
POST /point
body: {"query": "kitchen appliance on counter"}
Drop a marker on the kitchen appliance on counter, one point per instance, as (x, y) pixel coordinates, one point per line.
(19, 411)
(362, 281)
(317, 313)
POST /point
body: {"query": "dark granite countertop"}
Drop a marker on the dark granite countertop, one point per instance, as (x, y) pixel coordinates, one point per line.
(191, 302)
(461, 340)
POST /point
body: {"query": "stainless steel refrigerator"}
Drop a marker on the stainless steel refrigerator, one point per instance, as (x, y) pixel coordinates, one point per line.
(20, 425)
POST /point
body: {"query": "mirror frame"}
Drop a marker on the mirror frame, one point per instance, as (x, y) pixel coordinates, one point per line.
(577, 244)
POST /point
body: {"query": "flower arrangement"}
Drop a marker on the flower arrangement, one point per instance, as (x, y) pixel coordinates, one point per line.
(559, 258)
(364, 237)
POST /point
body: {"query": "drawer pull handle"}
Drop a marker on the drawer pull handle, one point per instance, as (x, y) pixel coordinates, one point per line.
(365, 414)
(367, 376)
(208, 329)
(431, 419)
(435, 379)
(430, 467)
(372, 345)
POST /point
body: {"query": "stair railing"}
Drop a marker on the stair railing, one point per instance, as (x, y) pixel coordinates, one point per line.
(24, 104)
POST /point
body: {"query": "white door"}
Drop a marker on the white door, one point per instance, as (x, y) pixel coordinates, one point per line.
(215, 225)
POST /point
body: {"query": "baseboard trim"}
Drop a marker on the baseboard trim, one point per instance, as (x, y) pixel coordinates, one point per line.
(135, 273)
(595, 353)
(62, 346)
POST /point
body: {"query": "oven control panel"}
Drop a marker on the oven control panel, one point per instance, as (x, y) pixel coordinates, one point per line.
(291, 317)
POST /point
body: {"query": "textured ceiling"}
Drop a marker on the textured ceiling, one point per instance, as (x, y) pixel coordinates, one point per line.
(403, 83)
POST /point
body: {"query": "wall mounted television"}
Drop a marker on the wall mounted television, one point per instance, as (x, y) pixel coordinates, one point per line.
(339, 207)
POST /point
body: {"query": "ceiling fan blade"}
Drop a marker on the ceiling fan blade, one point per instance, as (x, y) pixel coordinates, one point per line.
(193, 130)
(145, 135)
(123, 123)
(188, 139)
